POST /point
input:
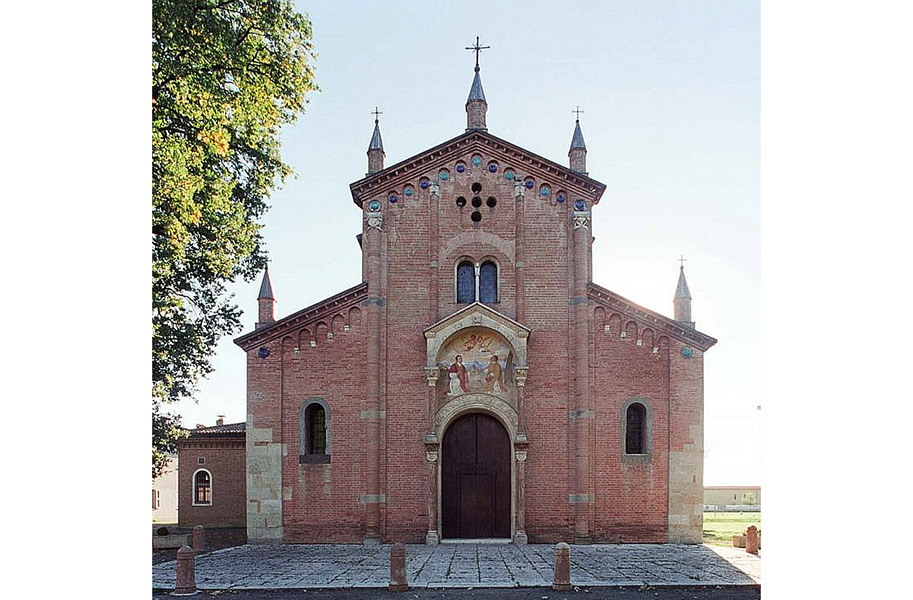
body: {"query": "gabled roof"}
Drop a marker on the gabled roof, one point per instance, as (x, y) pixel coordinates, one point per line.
(352, 296)
(445, 153)
(670, 327)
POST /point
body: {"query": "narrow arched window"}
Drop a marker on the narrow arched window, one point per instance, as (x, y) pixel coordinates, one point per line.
(636, 429)
(314, 431)
(466, 282)
(316, 419)
(202, 488)
(488, 282)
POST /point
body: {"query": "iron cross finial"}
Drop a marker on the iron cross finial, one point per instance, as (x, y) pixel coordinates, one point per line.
(376, 112)
(477, 48)
(682, 260)
(578, 112)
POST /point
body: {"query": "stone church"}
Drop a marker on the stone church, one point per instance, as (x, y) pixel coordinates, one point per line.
(477, 384)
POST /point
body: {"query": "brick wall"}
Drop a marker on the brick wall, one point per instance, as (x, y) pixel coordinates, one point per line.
(224, 458)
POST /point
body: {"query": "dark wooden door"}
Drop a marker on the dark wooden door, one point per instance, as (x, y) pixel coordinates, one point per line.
(475, 479)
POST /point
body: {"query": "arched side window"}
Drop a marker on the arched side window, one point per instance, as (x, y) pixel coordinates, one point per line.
(637, 431)
(202, 488)
(465, 282)
(314, 431)
(488, 282)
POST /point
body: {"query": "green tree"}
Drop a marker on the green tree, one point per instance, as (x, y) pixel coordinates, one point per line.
(226, 75)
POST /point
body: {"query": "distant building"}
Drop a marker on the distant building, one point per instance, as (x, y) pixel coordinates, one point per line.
(725, 497)
(165, 494)
(212, 481)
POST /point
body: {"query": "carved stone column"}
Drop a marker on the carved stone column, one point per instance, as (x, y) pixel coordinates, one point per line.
(431, 455)
(521, 446)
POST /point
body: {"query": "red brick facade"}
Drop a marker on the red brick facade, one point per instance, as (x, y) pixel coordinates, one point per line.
(380, 359)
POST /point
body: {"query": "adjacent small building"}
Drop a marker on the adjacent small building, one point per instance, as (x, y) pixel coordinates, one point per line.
(211, 480)
(165, 494)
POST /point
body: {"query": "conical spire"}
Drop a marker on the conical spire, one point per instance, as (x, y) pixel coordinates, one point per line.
(682, 291)
(476, 105)
(577, 153)
(577, 140)
(476, 92)
(266, 288)
(376, 142)
(265, 301)
(682, 300)
(376, 147)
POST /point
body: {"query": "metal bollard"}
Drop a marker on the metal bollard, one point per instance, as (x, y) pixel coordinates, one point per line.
(562, 580)
(398, 581)
(199, 539)
(186, 578)
(751, 540)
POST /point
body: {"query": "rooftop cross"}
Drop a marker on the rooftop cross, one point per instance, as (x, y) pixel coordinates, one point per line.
(578, 111)
(376, 112)
(477, 48)
(682, 260)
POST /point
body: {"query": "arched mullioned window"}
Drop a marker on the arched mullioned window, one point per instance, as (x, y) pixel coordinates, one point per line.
(202, 488)
(466, 282)
(314, 431)
(488, 282)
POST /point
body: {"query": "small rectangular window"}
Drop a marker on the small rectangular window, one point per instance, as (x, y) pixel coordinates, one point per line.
(156, 499)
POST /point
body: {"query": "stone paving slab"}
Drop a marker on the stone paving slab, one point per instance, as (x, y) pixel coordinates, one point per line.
(295, 566)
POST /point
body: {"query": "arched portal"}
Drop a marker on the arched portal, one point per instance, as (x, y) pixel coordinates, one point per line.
(475, 478)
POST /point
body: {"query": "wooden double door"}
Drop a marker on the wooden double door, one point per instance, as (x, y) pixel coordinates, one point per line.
(475, 479)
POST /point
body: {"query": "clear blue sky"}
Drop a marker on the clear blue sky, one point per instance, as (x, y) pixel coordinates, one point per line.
(671, 99)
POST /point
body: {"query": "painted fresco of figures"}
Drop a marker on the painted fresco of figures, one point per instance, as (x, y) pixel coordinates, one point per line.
(459, 380)
(476, 360)
(494, 376)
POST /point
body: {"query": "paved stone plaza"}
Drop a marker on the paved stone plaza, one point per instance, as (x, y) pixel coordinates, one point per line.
(465, 565)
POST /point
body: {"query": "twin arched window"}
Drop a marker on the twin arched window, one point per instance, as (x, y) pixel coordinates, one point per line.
(466, 288)
(202, 488)
(314, 431)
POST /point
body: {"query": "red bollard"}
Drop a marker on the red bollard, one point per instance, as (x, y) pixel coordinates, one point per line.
(751, 540)
(186, 578)
(398, 568)
(199, 539)
(562, 580)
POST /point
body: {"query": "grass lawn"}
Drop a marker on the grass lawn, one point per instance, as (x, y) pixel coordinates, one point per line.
(719, 527)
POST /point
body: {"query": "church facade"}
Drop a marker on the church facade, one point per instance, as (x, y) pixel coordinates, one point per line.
(477, 384)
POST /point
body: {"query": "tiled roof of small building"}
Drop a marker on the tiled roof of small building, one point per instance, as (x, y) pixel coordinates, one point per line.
(227, 429)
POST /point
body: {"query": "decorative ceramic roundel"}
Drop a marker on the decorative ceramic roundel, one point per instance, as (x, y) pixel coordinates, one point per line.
(408, 190)
(579, 204)
(477, 160)
(545, 191)
(423, 185)
(374, 205)
(263, 352)
(508, 174)
(393, 198)
(561, 198)
(444, 175)
(687, 352)
(530, 183)
(460, 168)
(493, 168)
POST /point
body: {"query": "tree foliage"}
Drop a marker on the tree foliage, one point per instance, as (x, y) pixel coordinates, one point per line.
(226, 75)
